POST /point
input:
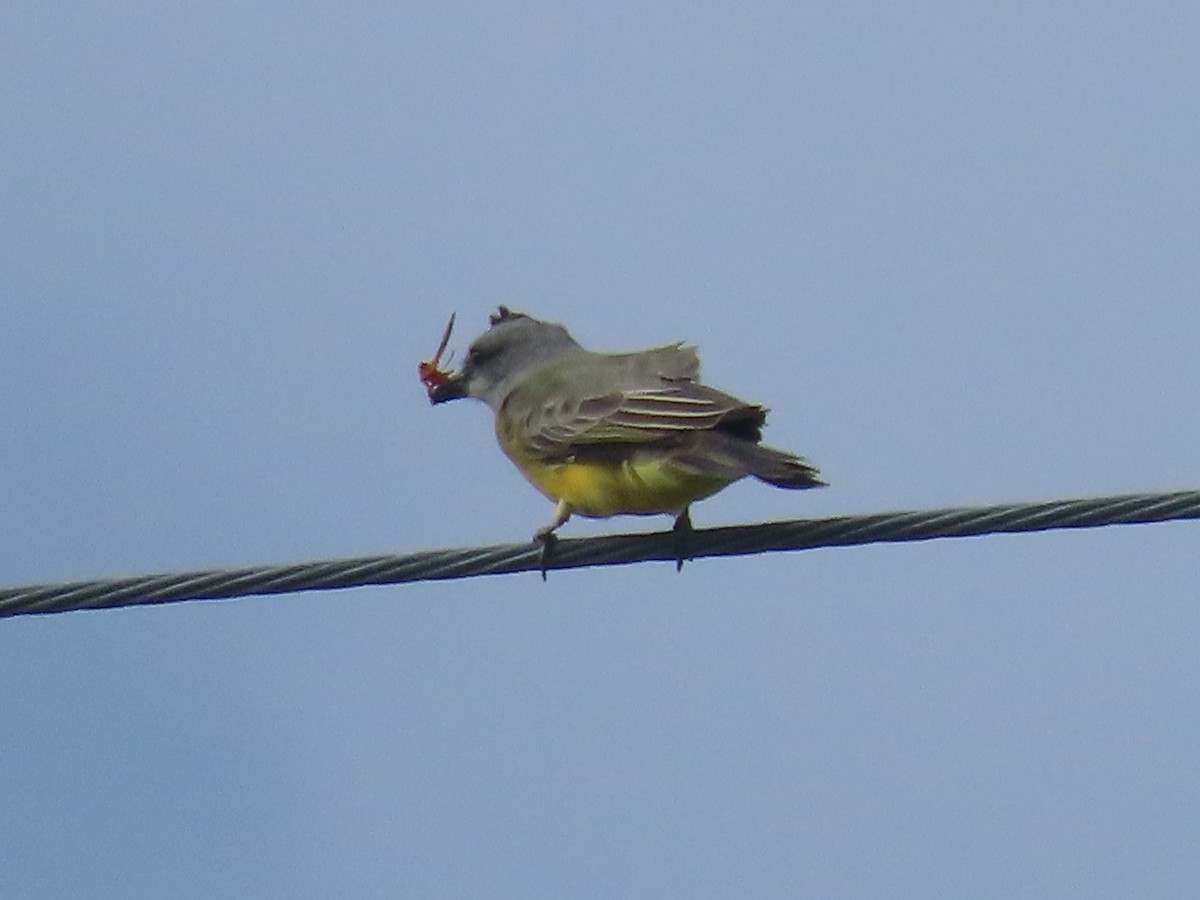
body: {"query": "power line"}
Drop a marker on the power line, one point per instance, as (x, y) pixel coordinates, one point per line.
(573, 553)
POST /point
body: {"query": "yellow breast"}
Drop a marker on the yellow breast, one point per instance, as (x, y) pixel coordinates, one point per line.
(602, 489)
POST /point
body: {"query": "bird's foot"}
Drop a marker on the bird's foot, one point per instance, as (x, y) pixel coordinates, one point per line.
(682, 531)
(547, 538)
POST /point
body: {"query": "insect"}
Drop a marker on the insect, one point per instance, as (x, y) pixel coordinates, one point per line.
(432, 376)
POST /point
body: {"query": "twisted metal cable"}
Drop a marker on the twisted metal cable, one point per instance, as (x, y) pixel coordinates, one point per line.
(573, 553)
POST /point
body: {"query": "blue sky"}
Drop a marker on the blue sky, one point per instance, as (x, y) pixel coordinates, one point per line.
(953, 249)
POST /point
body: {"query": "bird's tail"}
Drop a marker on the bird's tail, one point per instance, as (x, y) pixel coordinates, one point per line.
(785, 470)
(725, 456)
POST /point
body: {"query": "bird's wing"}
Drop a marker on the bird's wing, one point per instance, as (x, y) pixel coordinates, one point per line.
(592, 400)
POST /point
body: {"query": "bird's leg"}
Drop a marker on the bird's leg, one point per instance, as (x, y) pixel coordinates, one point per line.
(682, 529)
(546, 536)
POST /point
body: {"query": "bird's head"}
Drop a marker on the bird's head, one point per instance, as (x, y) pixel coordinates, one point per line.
(501, 357)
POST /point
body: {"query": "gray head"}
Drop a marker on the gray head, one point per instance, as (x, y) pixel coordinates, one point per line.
(500, 358)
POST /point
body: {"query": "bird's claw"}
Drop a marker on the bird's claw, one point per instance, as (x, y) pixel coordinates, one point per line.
(547, 539)
(682, 531)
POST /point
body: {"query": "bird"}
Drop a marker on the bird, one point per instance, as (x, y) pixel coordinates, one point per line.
(607, 434)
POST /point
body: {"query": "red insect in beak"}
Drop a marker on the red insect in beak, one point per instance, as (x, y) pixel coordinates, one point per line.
(440, 384)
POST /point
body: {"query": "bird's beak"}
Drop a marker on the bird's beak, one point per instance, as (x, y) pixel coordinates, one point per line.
(453, 387)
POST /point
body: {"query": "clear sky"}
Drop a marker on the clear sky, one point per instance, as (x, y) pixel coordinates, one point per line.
(954, 247)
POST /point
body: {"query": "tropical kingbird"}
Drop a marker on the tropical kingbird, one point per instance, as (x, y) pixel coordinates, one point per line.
(605, 434)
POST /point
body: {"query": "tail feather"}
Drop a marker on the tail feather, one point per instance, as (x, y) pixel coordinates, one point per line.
(785, 470)
(725, 456)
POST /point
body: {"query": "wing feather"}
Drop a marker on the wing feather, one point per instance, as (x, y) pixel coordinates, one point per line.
(640, 399)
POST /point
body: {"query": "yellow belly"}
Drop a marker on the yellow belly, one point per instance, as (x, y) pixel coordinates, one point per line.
(603, 489)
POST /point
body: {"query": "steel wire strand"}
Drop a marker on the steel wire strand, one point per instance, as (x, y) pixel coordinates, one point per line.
(570, 553)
